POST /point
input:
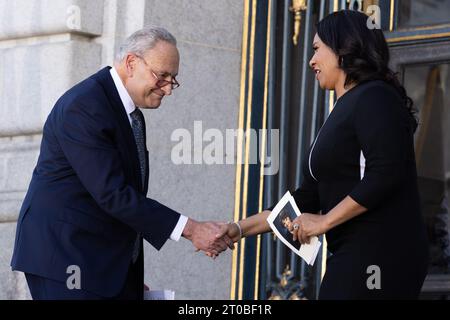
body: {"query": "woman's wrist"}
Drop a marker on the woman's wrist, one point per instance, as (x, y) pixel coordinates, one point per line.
(236, 234)
(327, 222)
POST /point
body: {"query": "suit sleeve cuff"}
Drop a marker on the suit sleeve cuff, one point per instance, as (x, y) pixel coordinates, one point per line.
(178, 230)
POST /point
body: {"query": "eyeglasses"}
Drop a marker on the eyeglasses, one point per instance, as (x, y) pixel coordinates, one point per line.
(161, 83)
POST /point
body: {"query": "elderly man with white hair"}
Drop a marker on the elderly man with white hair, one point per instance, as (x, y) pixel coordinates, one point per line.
(80, 229)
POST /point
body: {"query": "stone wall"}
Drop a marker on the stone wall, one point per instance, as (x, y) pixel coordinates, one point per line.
(47, 46)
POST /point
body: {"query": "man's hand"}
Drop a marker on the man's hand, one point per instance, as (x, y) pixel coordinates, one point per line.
(229, 232)
(209, 237)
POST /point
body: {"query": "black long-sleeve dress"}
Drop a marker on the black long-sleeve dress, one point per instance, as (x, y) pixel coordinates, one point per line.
(365, 150)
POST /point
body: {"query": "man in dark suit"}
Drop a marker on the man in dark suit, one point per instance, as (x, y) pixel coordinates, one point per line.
(80, 228)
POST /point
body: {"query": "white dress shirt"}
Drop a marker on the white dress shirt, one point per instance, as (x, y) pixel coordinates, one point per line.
(129, 108)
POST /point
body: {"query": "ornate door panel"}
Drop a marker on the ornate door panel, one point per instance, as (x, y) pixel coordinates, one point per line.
(280, 92)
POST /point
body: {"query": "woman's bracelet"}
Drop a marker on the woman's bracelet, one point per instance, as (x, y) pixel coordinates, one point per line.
(239, 228)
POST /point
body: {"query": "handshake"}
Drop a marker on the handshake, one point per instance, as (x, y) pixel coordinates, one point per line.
(212, 237)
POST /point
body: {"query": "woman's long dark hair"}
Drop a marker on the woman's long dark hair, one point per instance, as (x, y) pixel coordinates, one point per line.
(363, 52)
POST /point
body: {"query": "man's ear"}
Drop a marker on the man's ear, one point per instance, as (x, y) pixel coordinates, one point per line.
(130, 64)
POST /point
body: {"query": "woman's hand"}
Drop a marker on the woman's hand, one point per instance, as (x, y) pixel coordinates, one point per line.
(309, 225)
(234, 231)
(230, 233)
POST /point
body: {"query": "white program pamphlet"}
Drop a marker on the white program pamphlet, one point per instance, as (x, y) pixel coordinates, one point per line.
(281, 217)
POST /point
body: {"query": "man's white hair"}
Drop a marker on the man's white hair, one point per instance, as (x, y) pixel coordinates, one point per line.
(143, 40)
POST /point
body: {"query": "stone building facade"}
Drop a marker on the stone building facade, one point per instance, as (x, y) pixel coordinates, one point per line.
(47, 46)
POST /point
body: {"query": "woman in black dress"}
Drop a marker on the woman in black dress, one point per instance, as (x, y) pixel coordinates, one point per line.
(360, 172)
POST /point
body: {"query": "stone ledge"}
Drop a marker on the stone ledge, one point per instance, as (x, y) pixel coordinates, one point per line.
(33, 78)
(28, 18)
(20, 143)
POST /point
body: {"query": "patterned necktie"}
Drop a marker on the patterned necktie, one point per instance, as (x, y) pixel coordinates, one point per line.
(137, 124)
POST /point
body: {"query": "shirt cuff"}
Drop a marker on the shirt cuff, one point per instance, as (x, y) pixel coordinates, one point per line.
(178, 230)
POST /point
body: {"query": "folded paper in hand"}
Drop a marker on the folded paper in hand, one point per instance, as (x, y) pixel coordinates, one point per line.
(281, 219)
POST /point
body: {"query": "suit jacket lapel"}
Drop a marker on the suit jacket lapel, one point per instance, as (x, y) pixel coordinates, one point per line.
(105, 79)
